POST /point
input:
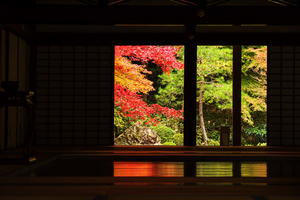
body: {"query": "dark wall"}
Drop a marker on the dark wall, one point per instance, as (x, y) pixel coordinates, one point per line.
(75, 95)
(283, 95)
(14, 66)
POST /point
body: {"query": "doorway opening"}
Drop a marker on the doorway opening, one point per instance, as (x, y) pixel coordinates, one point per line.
(148, 104)
(149, 90)
(214, 94)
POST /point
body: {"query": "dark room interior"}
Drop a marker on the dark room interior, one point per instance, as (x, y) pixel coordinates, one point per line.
(57, 100)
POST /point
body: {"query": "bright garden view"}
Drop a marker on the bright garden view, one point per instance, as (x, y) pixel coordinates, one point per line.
(149, 91)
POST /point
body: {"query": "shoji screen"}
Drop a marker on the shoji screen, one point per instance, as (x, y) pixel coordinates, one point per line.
(75, 95)
(283, 95)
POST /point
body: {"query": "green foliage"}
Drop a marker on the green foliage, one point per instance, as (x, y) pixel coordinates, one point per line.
(121, 123)
(165, 133)
(214, 118)
(169, 143)
(178, 139)
(175, 124)
(219, 95)
(254, 83)
(214, 62)
(262, 144)
(255, 135)
(214, 77)
(170, 94)
(213, 143)
(156, 71)
(214, 70)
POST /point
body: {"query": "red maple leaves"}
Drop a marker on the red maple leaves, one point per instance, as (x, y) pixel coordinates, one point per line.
(130, 79)
(133, 106)
(163, 56)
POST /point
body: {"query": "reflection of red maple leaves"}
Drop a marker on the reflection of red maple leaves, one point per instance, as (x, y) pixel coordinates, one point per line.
(147, 169)
(129, 80)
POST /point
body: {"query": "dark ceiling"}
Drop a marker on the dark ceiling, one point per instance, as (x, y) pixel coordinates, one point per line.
(159, 2)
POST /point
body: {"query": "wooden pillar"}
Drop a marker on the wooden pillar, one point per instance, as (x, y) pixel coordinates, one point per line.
(190, 169)
(237, 169)
(32, 75)
(6, 79)
(2, 78)
(112, 102)
(236, 93)
(190, 68)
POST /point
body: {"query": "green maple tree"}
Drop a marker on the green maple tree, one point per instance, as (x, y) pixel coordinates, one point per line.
(214, 84)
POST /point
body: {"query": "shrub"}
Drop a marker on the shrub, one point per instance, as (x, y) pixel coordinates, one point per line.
(178, 139)
(262, 144)
(212, 143)
(169, 143)
(255, 135)
(174, 123)
(165, 133)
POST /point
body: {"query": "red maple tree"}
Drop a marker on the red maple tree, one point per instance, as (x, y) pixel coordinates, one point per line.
(130, 80)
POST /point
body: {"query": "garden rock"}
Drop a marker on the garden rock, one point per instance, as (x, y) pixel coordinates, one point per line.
(138, 135)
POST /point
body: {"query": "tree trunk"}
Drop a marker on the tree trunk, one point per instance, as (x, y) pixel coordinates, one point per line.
(145, 97)
(201, 116)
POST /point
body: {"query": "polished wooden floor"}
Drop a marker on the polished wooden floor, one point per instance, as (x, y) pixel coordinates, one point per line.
(141, 172)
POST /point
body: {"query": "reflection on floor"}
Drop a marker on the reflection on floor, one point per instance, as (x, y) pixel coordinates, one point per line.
(99, 168)
(155, 173)
(148, 169)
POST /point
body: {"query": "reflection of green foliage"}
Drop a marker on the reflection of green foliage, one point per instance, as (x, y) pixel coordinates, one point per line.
(165, 133)
(214, 169)
(247, 169)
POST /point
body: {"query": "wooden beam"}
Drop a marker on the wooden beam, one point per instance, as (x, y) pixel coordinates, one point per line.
(116, 2)
(17, 2)
(283, 2)
(236, 95)
(217, 2)
(102, 3)
(190, 69)
(110, 38)
(23, 31)
(40, 14)
(164, 38)
(201, 3)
